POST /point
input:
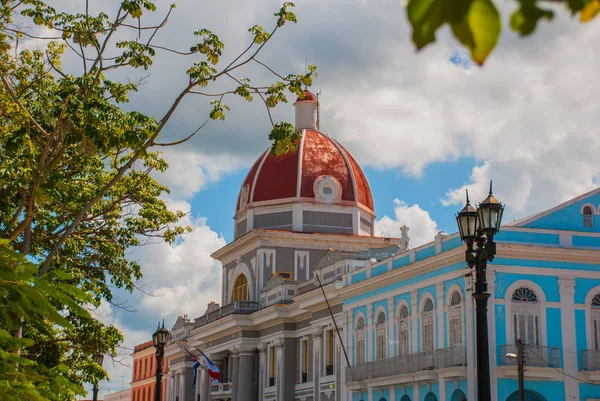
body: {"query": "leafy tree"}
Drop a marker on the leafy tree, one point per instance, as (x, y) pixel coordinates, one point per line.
(477, 23)
(75, 179)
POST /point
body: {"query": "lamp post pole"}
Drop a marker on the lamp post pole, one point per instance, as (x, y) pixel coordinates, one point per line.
(99, 360)
(160, 338)
(521, 369)
(477, 228)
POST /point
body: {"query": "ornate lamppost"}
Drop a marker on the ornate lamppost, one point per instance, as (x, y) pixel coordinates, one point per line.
(99, 361)
(160, 338)
(477, 228)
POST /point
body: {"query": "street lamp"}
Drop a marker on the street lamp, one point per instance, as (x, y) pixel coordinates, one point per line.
(160, 338)
(520, 358)
(477, 228)
(99, 360)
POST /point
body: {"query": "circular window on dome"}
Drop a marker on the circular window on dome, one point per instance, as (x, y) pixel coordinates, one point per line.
(327, 189)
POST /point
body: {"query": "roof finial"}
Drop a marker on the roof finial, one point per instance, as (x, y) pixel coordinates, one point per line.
(467, 191)
(490, 187)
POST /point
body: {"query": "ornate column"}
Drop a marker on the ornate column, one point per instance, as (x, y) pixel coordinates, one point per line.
(469, 338)
(491, 280)
(245, 374)
(280, 370)
(262, 378)
(317, 344)
(414, 314)
(566, 287)
(370, 333)
(439, 292)
(235, 373)
(391, 332)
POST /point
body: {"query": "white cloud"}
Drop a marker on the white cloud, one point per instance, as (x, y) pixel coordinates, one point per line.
(422, 227)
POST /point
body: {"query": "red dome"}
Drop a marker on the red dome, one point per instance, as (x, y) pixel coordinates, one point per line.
(308, 96)
(291, 177)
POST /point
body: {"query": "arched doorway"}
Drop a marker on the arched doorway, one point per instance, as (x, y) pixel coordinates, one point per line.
(430, 397)
(405, 397)
(240, 289)
(458, 395)
(530, 395)
(382, 399)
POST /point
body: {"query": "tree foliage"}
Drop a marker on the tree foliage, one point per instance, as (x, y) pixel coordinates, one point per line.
(477, 23)
(75, 175)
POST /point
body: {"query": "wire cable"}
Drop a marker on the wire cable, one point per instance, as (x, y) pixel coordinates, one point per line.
(561, 371)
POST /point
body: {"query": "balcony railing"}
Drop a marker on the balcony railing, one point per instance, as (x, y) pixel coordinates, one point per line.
(221, 388)
(534, 356)
(590, 360)
(238, 307)
(411, 363)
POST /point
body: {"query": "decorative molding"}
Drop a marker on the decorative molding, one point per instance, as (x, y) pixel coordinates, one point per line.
(439, 290)
(566, 285)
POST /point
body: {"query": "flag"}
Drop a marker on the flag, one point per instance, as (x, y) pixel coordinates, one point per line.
(213, 371)
(196, 365)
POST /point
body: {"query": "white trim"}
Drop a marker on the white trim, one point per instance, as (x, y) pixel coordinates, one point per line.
(300, 159)
(401, 302)
(542, 309)
(349, 167)
(251, 198)
(301, 254)
(427, 295)
(594, 209)
(545, 271)
(537, 216)
(447, 308)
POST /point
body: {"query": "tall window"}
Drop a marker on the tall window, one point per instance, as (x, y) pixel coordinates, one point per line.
(526, 316)
(455, 319)
(381, 336)
(360, 341)
(240, 289)
(595, 320)
(330, 348)
(588, 217)
(403, 331)
(427, 326)
(304, 361)
(272, 361)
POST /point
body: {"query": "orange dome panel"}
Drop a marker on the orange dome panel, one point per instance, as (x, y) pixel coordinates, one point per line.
(277, 178)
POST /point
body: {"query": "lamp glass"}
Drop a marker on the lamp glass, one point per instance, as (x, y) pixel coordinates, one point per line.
(468, 223)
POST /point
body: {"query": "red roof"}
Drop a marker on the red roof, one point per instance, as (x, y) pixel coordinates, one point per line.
(307, 96)
(292, 176)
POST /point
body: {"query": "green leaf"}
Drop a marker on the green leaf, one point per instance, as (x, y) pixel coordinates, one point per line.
(525, 19)
(485, 26)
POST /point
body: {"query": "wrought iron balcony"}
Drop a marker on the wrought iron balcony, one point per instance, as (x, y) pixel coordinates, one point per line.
(590, 360)
(534, 355)
(411, 363)
(238, 307)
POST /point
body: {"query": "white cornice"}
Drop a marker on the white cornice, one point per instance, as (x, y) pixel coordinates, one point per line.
(264, 237)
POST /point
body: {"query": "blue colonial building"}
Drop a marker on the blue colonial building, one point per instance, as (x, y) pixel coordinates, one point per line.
(410, 319)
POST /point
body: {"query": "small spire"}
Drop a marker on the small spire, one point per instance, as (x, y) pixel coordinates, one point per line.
(490, 187)
(467, 191)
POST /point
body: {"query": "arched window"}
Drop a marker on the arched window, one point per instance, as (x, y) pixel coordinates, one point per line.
(595, 321)
(588, 217)
(381, 336)
(526, 316)
(455, 315)
(427, 326)
(360, 341)
(403, 331)
(240, 289)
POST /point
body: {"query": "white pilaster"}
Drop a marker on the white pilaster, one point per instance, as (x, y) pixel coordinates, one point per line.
(391, 331)
(414, 313)
(279, 382)
(297, 217)
(439, 291)
(262, 378)
(442, 389)
(567, 322)
(370, 333)
(491, 279)
(469, 326)
(416, 395)
(249, 220)
(393, 393)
